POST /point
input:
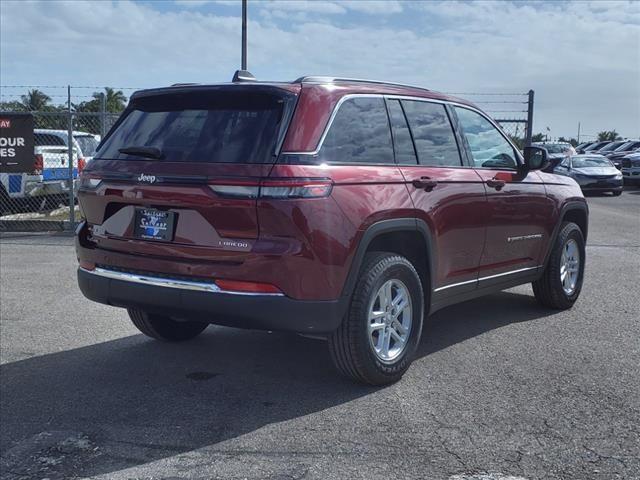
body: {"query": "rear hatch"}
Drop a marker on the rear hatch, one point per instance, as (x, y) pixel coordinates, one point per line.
(179, 173)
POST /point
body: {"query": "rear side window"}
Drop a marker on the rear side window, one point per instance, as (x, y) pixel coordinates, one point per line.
(211, 127)
(402, 142)
(47, 139)
(432, 133)
(359, 133)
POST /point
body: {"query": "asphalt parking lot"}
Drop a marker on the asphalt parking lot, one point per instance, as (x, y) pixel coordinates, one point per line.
(502, 388)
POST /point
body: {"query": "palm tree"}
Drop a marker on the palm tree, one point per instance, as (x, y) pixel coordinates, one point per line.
(35, 100)
(610, 135)
(115, 99)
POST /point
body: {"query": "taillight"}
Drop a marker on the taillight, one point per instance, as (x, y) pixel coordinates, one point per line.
(89, 182)
(275, 188)
(81, 164)
(247, 287)
(295, 188)
(38, 165)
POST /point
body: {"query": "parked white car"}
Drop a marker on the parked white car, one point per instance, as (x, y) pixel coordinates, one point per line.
(85, 142)
(48, 185)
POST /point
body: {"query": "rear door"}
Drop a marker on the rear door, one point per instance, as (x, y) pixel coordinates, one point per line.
(180, 171)
(447, 195)
(519, 211)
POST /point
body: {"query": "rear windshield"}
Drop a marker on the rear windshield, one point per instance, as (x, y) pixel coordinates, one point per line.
(47, 139)
(215, 127)
(88, 144)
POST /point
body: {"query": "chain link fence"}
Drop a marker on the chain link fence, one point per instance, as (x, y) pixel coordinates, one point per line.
(68, 123)
(43, 196)
(513, 111)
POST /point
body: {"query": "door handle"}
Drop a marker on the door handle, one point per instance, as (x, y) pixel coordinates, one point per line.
(495, 183)
(425, 183)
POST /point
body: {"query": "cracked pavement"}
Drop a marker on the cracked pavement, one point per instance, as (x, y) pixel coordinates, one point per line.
(502, 388)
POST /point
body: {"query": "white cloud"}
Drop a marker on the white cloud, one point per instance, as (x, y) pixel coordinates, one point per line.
(582, 60)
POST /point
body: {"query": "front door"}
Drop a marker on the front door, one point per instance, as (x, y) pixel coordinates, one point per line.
(518, 207)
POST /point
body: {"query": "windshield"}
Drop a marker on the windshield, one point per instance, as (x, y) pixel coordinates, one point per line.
(612, 146)
(590, 162)
(556, 147)
(88, 144)
(628, 146)
(596, 146)
(217, 127)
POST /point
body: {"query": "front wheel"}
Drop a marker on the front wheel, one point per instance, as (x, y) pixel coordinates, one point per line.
(161, 327)
(377, 340)
(561, 282)
(617, 193)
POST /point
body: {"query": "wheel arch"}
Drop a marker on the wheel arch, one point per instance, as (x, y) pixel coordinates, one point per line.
(409, 237)
(574, 211)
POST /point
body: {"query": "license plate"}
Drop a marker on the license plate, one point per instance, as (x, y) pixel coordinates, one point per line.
(154, 224)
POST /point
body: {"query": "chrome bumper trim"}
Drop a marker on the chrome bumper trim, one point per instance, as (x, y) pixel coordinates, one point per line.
(170, 282)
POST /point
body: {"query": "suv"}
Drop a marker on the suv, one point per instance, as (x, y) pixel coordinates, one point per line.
(330, 207)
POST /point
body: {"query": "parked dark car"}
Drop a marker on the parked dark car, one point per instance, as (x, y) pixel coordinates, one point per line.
(610, 147)
(595, 147)
(335, 207)
(580, 148)
(594, 173)
(631, 168)
(619, 153)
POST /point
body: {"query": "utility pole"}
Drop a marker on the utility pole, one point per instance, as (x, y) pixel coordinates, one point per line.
(578, 139)
(244, 35)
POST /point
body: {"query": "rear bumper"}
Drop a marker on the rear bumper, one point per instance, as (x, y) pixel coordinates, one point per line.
(201, 301)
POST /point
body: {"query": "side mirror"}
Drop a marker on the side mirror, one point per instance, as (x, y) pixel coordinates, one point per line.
(535, 158)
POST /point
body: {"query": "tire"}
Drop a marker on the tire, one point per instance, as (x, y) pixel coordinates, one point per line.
(549, 289)
(617, 193)
(164, 328)
(352, 346)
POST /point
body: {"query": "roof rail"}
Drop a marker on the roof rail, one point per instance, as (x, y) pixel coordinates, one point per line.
(183, 84)
(326, 79)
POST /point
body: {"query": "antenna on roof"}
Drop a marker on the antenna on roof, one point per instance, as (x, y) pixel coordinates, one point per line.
(243, 65)
(243, 75)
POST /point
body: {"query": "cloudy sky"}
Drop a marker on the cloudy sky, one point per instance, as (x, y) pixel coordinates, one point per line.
(581, 58)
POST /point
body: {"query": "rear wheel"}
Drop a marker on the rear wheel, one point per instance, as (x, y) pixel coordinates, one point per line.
(165, 328)
(561, 282)
(377, 339)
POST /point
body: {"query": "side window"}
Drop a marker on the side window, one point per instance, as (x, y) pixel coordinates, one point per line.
(402, 142)
(359, 133)
(488, 147)
(432, 133)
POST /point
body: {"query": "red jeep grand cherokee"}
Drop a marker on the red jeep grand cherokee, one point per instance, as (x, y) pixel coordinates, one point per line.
(344, 208)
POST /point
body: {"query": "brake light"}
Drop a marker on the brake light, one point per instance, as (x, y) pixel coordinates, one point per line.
(247, 287)
(38, 165)
(275, 188)
(89, 182)
(295, 188)
(81, 164)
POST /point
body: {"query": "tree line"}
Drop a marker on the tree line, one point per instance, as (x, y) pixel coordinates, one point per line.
(37, 101)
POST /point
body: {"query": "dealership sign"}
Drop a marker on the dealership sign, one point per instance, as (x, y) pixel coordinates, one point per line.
(16, 143)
